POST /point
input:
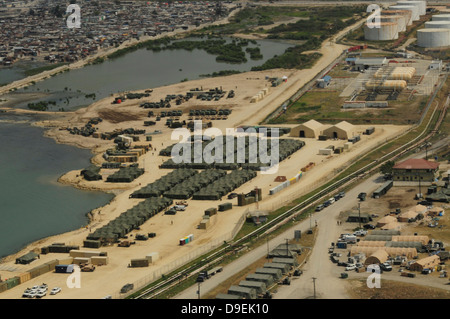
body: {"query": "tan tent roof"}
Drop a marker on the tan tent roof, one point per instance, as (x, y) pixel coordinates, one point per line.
(386, 220)
(313, 124)
(427, 260)
(423, 239)
(407, 215)
(344, 125)
(420, 209)
(392, 251)
(379, 256)
(393, 225)
(370, 243)
(436, 209)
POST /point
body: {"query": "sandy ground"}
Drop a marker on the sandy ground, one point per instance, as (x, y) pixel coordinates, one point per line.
(107, 280)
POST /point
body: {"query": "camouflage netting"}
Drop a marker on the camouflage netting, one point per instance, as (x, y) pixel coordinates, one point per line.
(129, 220)
(125, 175)
(158, 187)
(224, 185)
(245, 154)
(194, 183)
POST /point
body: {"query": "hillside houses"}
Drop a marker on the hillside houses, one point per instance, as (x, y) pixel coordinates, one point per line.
(38, 32)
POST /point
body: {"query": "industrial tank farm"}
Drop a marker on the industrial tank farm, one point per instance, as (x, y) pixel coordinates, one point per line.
(398, 19)
(386, 32)
(437, 24)
(441, 17)
(421, 5)
(433, 37)
(405, 13)
(414, 10)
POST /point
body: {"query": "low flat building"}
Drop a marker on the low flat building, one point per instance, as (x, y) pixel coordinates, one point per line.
(415, 170)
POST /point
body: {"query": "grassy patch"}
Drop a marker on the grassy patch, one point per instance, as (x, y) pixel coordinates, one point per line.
(41, 69)
(395, 290)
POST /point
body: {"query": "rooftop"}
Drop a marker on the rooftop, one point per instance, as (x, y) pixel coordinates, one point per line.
(417, 163)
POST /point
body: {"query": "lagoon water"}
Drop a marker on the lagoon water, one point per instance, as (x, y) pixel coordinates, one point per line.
(139, 70)
(33, 205)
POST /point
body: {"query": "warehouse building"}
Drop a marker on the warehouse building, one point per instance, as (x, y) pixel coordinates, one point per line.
(310, 129)
(366, 63)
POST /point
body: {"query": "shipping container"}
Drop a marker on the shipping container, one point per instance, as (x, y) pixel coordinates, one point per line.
(63, 269)
(99, 260)
(152, 257)
(23, 277)
(142, 262)
(225, 206)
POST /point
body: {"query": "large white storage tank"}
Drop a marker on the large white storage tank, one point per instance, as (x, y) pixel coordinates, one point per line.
(386, 32)
(414, 10)
(433, 38)
(406, 13)
(437, 24)
(399, 19)
(441, 17)
(422, 5)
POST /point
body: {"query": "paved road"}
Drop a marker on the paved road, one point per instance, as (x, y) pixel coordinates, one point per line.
(327, 284)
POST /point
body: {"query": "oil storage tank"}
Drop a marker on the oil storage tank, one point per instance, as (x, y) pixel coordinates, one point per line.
(437, 24)
(395, 18)
(441, 17)
(414, 10)
(386, 32)
(433, 37)
(421, 5)
(405, 13)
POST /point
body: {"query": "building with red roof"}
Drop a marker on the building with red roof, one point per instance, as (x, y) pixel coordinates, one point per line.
(415, 170)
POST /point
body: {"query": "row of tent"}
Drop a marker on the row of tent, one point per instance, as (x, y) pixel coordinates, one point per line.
(246, 156)
(129, 220)
(193, 184)
(224, 185)
(125, 175)
(163, 184)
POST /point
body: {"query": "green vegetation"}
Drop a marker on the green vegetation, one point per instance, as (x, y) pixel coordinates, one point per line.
(293, 58)
(255, 53)
(40, 69)
(40, 106)
(220, 73)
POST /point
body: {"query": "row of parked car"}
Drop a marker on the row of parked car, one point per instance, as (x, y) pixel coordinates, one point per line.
(330, 201)
(39, 291)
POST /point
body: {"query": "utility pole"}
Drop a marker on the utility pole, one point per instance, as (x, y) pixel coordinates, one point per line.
(314, 284)
(359, 214)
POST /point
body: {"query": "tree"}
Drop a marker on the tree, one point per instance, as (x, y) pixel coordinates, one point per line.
(387, 167)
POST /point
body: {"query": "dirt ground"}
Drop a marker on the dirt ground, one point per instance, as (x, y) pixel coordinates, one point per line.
(107, 280)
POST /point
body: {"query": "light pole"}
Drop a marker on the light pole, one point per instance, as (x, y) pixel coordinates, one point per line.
(314, 284)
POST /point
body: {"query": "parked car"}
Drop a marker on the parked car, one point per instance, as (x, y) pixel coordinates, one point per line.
(41, 293)
(369, 226)
(362, 196)
(180, 207)
(360, 232)
(319, 208)
(350, 267)
(386, 267)
(55, 291)
(232, 195)
(327, 203)
(331, 200)
(341, 194)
